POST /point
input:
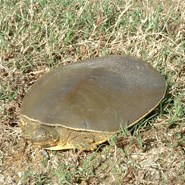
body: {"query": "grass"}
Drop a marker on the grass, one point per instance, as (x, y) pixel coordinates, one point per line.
(37, 35)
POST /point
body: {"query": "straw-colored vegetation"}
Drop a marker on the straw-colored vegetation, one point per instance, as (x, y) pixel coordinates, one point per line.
(37, 35)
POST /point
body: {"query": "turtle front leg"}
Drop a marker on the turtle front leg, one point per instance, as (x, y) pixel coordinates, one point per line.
(83, 141)
(87, 140)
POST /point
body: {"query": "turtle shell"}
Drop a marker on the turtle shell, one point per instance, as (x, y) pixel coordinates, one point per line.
(99, 94)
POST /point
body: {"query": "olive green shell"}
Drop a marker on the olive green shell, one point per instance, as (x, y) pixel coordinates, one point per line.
(99, 94)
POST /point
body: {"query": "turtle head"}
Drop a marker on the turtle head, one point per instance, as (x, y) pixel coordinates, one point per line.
(42, 135)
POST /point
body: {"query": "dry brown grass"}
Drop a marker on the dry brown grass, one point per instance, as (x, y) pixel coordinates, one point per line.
(36, 35)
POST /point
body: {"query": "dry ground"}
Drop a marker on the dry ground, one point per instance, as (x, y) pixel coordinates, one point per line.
(38, 35)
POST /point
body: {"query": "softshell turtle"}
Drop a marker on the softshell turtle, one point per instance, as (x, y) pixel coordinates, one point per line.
(81, 105)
